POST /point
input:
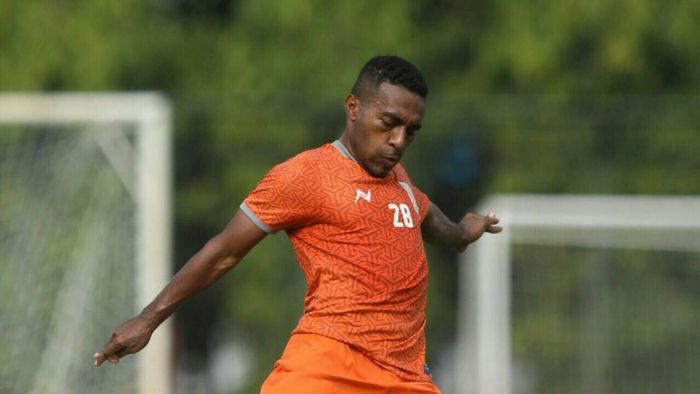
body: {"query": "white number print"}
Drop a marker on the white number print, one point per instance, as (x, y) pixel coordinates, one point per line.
(402, 215)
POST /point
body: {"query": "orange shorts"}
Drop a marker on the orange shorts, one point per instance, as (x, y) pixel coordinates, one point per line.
(314, 364)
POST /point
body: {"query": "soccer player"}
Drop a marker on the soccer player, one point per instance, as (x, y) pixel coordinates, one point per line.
(357, 225)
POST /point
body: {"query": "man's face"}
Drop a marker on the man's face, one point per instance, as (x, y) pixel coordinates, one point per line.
(383, 126)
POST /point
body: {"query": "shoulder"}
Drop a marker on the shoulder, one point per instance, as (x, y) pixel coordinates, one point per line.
(301, 161)
(401, 174)
(419, 199)
(308, 157)
(303, 166)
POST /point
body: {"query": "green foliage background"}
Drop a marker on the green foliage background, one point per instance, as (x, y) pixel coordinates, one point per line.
(555, 97)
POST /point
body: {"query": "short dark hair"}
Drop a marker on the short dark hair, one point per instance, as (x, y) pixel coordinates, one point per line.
(391, 69)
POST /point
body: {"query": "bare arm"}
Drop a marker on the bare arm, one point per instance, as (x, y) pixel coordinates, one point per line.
(438, 229)
(218, 256)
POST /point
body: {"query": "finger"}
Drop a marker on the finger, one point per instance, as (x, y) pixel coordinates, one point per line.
(492, 218)
(122, 352)
(494, 229)
(117, 354)
(112, 346)
(99, 358)
(108, 352)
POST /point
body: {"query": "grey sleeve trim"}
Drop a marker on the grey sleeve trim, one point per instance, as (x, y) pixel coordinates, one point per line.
(264, 227)
(409, 191)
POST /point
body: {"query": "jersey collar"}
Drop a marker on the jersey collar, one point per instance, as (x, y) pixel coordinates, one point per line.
(346, 153)
(343, 150)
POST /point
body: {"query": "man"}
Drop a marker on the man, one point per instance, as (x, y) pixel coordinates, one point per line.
(356, 223)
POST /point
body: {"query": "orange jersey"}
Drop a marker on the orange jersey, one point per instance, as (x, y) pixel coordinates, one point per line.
(358, 240)
(315, 364)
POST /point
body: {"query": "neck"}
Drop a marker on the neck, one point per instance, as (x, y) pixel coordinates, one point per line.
(345, 140)
(343, 149)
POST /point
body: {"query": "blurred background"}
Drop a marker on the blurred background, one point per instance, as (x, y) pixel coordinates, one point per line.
(594, 97)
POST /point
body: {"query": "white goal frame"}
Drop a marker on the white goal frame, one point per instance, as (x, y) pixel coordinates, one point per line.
(484, 361)
(149, 116)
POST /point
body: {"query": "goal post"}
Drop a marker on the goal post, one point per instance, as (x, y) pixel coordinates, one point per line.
(651, 223)
(131, 134)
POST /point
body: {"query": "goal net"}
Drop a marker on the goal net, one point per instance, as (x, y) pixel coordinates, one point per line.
(84, 238)
(583, 294)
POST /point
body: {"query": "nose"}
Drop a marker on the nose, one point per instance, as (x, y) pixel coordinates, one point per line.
(397, 138)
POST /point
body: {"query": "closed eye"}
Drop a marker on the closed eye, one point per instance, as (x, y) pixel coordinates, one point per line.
(389, 123)
(412, 130)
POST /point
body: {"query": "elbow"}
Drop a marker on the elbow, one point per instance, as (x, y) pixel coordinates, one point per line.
(226, 263)
(224, 257)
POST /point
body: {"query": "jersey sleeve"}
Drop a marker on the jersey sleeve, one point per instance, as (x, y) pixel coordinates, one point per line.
(420, 200)
(281, 200)
(423, 202)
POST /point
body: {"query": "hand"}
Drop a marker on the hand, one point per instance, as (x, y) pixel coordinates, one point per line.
(128, 338)
(473, 226)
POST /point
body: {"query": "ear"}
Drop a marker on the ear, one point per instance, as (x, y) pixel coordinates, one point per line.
(352, 107)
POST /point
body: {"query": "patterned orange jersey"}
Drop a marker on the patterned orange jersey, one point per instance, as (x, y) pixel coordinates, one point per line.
(358, 240)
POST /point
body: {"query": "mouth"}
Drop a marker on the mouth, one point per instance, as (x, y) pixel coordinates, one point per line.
(390, 159)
